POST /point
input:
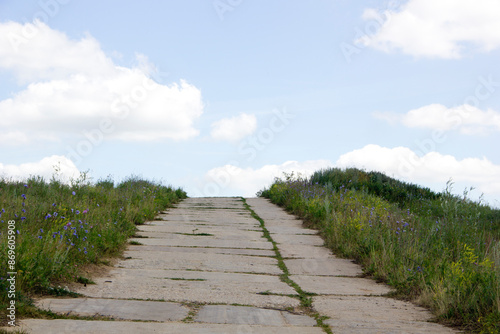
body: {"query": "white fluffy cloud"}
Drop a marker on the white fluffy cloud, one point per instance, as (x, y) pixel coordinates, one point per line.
(230, 180)
(56, 166)
(466, 119)
(72, 86)
(234, 128)
(430, 169)
(442, 29)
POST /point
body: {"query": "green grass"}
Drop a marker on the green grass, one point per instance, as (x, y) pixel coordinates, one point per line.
(437, 249)
(61, 228)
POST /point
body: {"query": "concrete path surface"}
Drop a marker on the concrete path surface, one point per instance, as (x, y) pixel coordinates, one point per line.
(207, 266)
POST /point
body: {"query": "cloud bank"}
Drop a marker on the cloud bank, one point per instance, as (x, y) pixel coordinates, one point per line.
(69, 86)
(431, 170)
(436, 29)
(466, 119)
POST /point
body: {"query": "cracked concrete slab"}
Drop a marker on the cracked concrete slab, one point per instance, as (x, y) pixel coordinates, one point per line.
(283, 230)
(41, 326)
(241, 315)
(294, 239)
(180, 249)
(340, 285)
(201, 242)
(193, 286)
(323, 267)
(200, 261)
(116, 308)
(304, 251)
(354, 314)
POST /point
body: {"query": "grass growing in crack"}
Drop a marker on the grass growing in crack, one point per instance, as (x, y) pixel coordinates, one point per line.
(60, 228)
(193, 311)
(136, 243)
(438, 249)
(304, 297)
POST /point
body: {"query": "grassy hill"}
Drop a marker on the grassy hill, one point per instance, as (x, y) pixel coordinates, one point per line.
(438, 249)
(51, 231)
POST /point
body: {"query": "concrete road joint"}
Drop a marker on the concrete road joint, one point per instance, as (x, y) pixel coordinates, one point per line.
(304, 297)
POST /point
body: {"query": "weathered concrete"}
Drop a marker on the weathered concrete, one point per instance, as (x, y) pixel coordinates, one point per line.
(295, 239)
(204, 242)
(200, 261)
(375, 315)
(331, 285)
(229, 282)
(241, 315)
(116, 308)
(180, 249)
(192, 286)
(304, 251)
(323, 267)
(40, 326)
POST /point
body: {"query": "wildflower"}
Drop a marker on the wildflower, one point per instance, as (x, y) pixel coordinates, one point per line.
(77, 212)
(18, 232)
(53, 204)
(3, 210)
(48, 216)
(41, 230)
(55, 214)
(39, 237)
(23, 218)
(73, 193)
(23, 196)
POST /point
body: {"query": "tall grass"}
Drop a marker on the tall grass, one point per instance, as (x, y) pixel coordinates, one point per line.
(60, 228)
(437, 249)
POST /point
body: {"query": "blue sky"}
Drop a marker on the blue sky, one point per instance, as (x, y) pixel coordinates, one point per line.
(221, 96)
